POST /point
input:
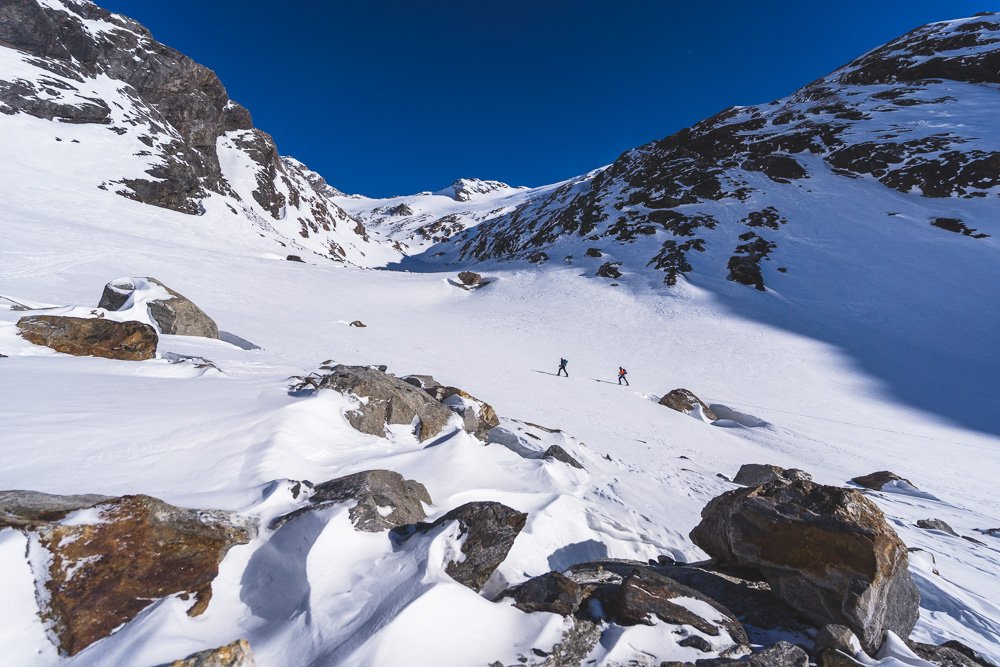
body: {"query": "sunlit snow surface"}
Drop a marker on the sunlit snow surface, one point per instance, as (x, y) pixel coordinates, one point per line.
(798, 373)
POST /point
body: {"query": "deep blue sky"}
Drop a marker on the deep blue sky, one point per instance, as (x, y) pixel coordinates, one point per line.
(396, 96)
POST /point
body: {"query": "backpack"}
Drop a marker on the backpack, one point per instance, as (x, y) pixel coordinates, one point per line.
(622, 371)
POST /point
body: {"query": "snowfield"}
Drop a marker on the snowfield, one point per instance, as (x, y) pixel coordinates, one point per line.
(877, 353)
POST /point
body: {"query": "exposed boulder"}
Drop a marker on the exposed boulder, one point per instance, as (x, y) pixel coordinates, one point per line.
(837, 637)
(936, 524)
(488, 530)
(95, 337)
(295, 258)
(358, 324)
(757, 474)
(551, 592)
(684, 400)
(609, 270)
(826, 551)
(470, 278)
(950, 654)
(593, 252)
(237, 654)
(383, 500)
(478, 417)
(877, 480)
(113, 559)
(386, 400)
(28, 509)
(176, 315)
(559, 454)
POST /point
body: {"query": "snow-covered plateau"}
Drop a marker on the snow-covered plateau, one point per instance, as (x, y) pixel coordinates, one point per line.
(869, 344)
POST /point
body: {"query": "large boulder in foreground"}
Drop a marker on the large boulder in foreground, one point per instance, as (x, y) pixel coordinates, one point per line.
(175, 314)
(383, 499)
(488, 530)
(388, 400)
(684, 400)
(237, 654)
(99, 566)
(94, 337)
(827, 552)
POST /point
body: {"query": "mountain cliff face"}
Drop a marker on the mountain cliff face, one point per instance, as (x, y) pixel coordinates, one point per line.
(178, 140)
(907, 130)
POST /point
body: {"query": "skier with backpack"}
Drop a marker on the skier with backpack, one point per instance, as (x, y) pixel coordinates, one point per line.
(562, 368)
(621, 376)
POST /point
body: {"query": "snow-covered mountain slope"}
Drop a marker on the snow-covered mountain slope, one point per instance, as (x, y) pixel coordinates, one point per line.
(906, 132)
(876, 353)
(86, 90)
(416, 222)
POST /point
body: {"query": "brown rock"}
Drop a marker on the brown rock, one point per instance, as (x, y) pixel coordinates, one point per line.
(237, 654)
(551, 592)
(97, 337)
(877, 480)
(826, 551)
(101, 572)
(470, 278)
(683, 400)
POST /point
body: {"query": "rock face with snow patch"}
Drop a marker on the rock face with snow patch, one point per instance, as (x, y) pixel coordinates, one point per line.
(631, 593)
(95, 337)
(478, 417)
(86, 66)
(876, 480)
(383, 500)
(176, 315)
(236, 654)
(487, 529)
(684, 400)
(826, 551)
(721, 198)
(386, 400)
(98, 569)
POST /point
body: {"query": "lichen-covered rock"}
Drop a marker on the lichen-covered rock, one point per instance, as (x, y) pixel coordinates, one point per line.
(383, 500)
(826, 551)
(684, 400)
(95, 337)
(176, 315)
(237, 654)
(488, 530)
(757, 474)
(107, 562)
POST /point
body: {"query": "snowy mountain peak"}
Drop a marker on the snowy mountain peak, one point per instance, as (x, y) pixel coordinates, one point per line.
(465, 189)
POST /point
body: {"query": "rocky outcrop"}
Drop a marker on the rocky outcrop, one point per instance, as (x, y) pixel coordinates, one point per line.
(826, 551)
(385, 400)
(631, 593)
(383, 499)
(478, 416)
(877, 480)
(758, 474)
(95, 337)
(175, 315)
(487, 529)
(684, 400)
(952, 653)
(237, 654)
(557, 453)
(609, 270)
(97, 565)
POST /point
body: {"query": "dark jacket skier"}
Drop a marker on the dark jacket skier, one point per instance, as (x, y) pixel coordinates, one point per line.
(621, 376)
(562, 367)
